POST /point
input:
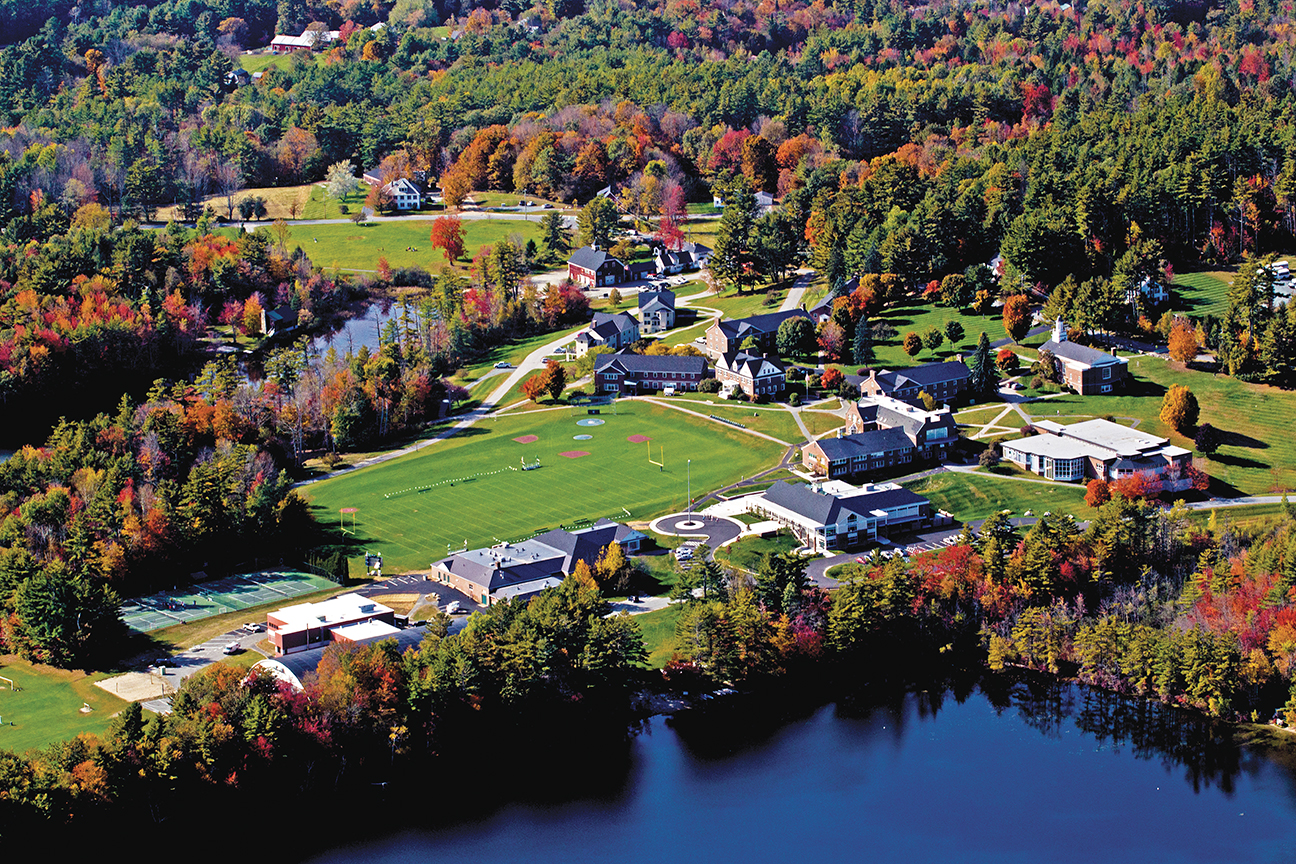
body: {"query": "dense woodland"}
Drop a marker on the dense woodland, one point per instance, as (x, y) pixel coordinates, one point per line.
(1144, 602)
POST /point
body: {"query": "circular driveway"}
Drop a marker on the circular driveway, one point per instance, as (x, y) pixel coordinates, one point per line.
(717, 530)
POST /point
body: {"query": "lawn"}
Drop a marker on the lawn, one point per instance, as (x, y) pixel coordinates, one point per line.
(974, 496)
(819, 422)
(47, 708)
(463, 488)
(750, 552)
(404, 244)
(659, 633)
(278, 200)
(770, 421)
(1259, 453)
(509, 352)
(756, 301)
(917, 317)
(1203, 293)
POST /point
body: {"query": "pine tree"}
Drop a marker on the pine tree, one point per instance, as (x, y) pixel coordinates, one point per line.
(863, 346)
(981, 371)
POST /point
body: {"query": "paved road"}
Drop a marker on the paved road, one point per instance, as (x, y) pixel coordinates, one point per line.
(717, 530)
(797, 291)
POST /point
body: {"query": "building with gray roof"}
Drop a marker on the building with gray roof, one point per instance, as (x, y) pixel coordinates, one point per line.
(629, 374)
(615, 330)
(859, 453)
(836, 516)
(519, 570)
(1085, 370)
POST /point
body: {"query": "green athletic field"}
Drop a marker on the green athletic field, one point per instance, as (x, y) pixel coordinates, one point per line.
(47, 707)
(412, 508)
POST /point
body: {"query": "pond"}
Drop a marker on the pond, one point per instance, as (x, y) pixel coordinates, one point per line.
(364, 329)
(1012, 773)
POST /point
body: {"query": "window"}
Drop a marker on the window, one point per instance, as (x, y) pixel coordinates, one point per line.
(1107, 373)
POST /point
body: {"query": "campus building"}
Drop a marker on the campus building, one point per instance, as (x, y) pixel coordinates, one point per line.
(656, 310)
(941, 381)
(726, 336)
(1085, 370)
(932, 433)
(858, 453)
(608, 330)
(836, 516)
(519, 570)
(1099, 449)
(755, 376)
(345, 618)
(590, 267)
(630, 374)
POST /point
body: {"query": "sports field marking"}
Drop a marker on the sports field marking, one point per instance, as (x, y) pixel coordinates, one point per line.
(574, 454)
(638, 439)
(527, 439)
(582, 437)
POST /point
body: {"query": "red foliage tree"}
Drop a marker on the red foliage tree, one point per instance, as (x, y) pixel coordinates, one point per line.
(832, 378)
(448, 236)
(1136, 486)
(1097, 493)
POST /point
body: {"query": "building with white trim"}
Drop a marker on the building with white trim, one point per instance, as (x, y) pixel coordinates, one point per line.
(299, 627)
(833, 516)
(1099, 449)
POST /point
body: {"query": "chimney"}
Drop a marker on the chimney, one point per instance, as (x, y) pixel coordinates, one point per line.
(1059, 331)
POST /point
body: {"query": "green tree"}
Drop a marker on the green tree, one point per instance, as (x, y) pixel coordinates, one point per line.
(933, 338)
(554, 235)
(982, 377)
(598, 221)
(954, 332)
(795, 337)
(862, 349)
(734, 259)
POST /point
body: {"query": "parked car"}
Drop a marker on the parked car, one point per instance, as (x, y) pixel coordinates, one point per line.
(452, 607)
(253, 627)
(503, 364)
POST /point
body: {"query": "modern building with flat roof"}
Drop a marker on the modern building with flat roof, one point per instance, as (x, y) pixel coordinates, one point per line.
(297, 628)
(1099, 449)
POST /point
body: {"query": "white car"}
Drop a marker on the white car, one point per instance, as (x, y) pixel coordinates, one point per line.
(452, 607)
(503, 364)
(232, 648)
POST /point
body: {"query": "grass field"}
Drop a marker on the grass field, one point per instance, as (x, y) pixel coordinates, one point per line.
(414, 528)
(917, 317)
(757, 301)
(47, 707)
(1259, 453)
(749, 552)
(404, 244)
(1203, 293)
(974, 496)
(659, 633)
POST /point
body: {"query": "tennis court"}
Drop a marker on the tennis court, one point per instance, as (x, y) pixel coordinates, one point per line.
(217, 596)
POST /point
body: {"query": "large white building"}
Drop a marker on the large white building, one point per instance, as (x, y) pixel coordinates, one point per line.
(347, 617)
(835, 515)
(1099, 449)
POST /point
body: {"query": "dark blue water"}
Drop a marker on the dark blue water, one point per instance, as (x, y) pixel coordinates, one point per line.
(1067, 775)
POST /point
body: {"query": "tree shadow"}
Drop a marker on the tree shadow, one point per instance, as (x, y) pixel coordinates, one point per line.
(1237, 439)
(1238, 461)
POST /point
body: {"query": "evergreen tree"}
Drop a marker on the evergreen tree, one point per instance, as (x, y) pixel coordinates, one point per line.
(862, 348)
(981, 370)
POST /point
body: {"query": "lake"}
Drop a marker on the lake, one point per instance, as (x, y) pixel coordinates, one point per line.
(1018, 773)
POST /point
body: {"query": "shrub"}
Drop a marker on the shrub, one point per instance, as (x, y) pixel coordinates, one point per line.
(331, 459)
(1037, 382)
(989, 457)
(709, 385)
(762, 399)
(794, 400)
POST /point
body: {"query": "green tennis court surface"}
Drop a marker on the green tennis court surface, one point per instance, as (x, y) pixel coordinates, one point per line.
(217, 596)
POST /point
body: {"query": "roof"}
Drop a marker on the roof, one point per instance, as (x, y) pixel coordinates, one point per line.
(741, 328)
(749, 365)
(366, 631)
(623, 322)
(649, 363)
(344, 607)
(302, 41)
(661, 297)
(864, 443)
(1051, 446)
(822, 508)
(589, 258)
(1081, 354)
(516, 569)
(1113, 436)
(921, 376)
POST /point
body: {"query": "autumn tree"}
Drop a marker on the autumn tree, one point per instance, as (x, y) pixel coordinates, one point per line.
(1179, 408)
(912, 344)
(448, 236)
(1183, 341)
(536, 386)
(555, 379)
(1097, 493)
(1017, 316)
